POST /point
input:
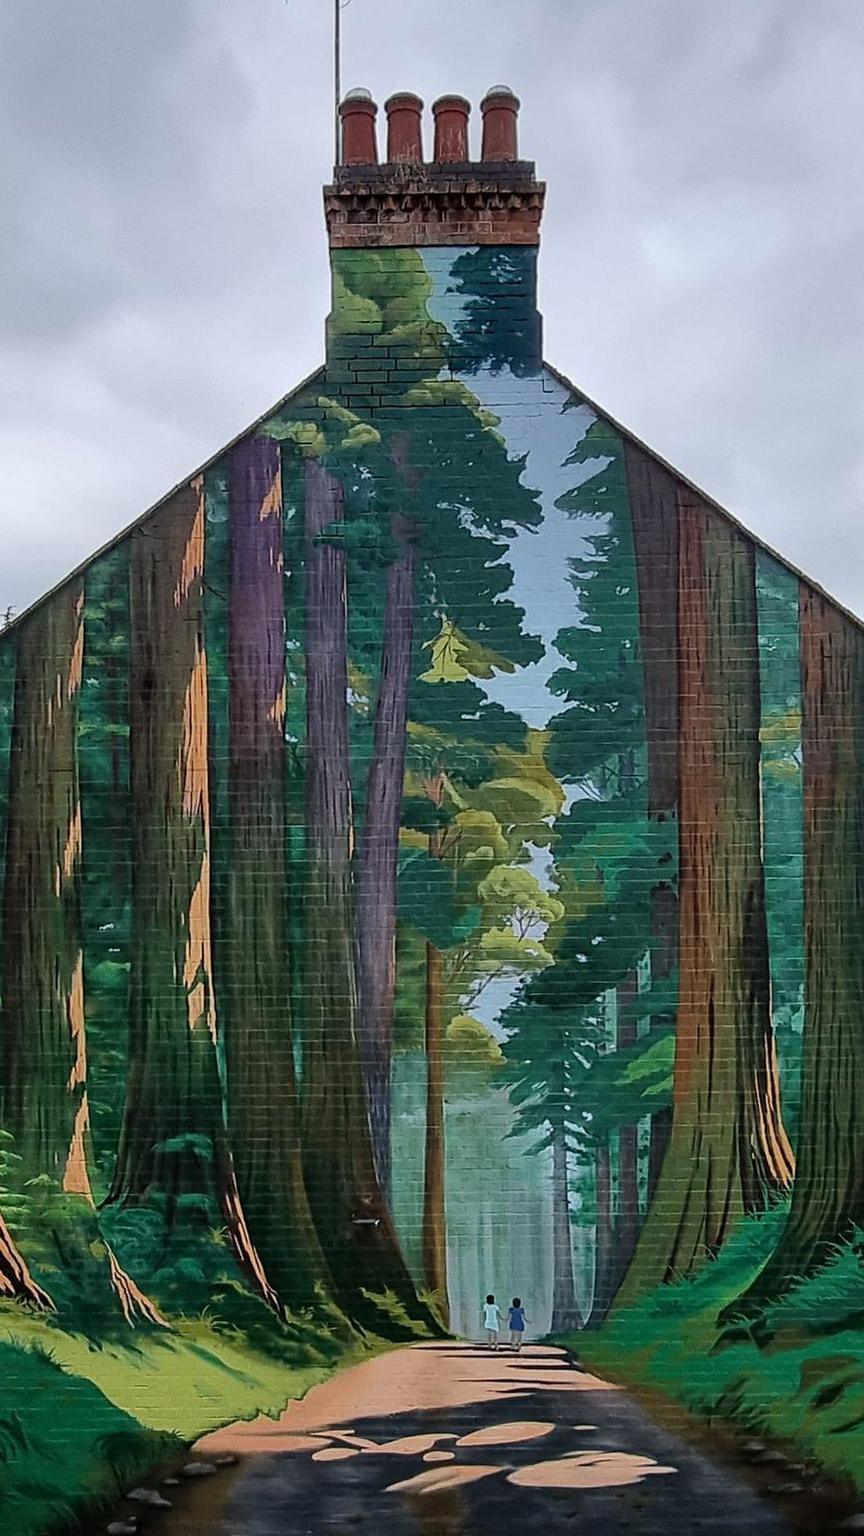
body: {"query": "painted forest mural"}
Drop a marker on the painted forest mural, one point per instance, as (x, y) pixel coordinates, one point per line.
(430, 857)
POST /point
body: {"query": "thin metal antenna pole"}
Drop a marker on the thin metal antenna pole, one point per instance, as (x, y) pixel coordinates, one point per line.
(337, 61)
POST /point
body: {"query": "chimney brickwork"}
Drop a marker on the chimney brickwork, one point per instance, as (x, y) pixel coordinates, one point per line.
(451, 200)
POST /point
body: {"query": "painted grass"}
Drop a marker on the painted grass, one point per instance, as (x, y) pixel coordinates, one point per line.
(798, 1373)
(79, 1422)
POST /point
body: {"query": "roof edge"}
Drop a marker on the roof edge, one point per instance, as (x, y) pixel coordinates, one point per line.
(154, 507)
(705, 496)
(556, 373)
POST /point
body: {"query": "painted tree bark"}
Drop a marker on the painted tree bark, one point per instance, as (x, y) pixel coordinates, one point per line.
(654, 516)
(664, 962)
(263, 1111)
(728, 1153)
(828, 1197)
(627, 1229)
(566, 1316)
(43, 1077)
(379, 847)
(16, 1281)
(350, 1213)
(172, 1140)
(604, 1239)
(434, 1214)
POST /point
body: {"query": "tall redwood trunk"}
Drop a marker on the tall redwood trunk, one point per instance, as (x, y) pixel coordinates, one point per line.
(654, 517)
(627, 1230)
(828, 1197)
(728, 1153)
(566, 1316)
(434, 1213)
(172, 1139)
(379, 847)
(350, 1213)
(604, 1259)
(41, 1093)
(263, 1114)
(43, 1077)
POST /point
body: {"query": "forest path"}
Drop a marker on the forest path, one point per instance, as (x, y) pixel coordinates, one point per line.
(446, 1439)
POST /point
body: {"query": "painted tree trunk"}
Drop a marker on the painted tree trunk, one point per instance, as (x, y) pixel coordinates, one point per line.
(172, 1140)
(664, 961)
(263, 1112)
(654, 517)
(434, 1214)
(44, 1060)
(350, 1213)
(728, 1152)
(828, 1197)
(627, 1230)
(379, 848)
(43, 1001)
(565, 1311)
(16, 1281)
(604, 1246)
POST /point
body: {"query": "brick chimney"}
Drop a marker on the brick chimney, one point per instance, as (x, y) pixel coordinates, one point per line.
(450, 200)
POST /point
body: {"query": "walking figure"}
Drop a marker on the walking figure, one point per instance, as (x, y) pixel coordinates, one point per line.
(491, 1321)
(516, 1321)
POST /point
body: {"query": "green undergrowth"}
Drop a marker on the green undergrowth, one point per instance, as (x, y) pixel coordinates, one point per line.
(795, 1372)
(79, 1421)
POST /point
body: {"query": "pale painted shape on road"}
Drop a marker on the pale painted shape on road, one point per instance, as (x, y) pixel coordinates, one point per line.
(442, 1478)
(589, 1469)
(515, 1433)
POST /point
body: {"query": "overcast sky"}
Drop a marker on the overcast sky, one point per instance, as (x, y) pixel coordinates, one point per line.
(163, 265)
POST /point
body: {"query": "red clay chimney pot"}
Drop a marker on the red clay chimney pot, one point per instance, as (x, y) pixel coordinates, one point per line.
(451, 129)
(404, 129)
(358, 112)
(500, 108)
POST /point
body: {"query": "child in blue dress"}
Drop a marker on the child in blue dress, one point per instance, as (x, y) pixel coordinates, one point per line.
(516, 1321)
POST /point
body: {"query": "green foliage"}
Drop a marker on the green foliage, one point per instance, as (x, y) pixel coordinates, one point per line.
(426, 902)
(807, 1388)
(59, 1237)
(500, 325)
(65, 1448)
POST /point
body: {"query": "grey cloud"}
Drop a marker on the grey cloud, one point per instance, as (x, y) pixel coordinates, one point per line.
(165, 272)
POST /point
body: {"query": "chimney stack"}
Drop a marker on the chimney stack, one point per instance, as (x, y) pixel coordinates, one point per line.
(450, 200)
(404, 129)
(451, 130)
(500, 110)
(358, 113)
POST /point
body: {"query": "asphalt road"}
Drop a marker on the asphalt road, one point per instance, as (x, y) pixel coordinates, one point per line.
(446, 1439)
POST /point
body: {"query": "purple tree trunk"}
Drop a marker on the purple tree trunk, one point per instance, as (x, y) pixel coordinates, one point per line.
(379, 852)
(349, 1209)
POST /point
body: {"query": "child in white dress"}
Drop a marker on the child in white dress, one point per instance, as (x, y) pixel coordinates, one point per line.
(491, 1321)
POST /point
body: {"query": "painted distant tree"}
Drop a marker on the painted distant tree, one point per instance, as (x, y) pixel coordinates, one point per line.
(481, 794)
(546, 1056)
(610, 843)
(106, 872)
